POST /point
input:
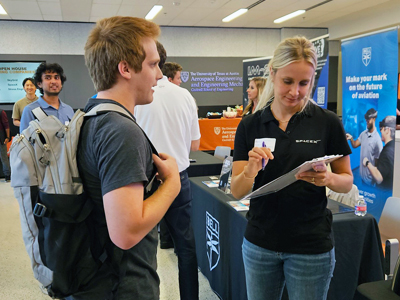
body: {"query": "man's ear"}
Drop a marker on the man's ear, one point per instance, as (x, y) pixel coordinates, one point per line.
(170, 79)
(38, 84)
(124, 69)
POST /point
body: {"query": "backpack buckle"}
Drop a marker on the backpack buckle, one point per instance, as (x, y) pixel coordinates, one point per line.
(39, 210)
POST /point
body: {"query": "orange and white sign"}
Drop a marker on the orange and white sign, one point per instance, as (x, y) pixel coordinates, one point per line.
(217, 132)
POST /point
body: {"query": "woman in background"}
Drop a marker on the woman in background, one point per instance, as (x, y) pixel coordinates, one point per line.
(288, 238)
(256, 87)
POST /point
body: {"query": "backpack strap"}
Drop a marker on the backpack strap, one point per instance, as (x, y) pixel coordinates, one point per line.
(39, 113)
(107, 107)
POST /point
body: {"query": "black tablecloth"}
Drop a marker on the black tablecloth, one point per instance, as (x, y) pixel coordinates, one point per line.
(205, 164)
(219, 231)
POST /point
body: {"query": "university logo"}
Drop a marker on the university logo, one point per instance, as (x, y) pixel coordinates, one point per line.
(185, 76)
(217, 130)
(212, 238)
(366, 55)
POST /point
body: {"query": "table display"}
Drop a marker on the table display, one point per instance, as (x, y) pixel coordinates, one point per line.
(218, 132)
(203, 164)
(219, 231)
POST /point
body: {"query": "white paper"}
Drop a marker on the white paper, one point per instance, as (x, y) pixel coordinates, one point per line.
(265, 142)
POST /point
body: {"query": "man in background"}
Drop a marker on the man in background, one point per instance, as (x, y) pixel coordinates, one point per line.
(171, 123)
(382, 172)
(371, 145)
(173, 72)
(5, 137)
(30, 89)
(49, 79)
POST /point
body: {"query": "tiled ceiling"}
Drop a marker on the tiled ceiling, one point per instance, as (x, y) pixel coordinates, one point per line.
(207, 13)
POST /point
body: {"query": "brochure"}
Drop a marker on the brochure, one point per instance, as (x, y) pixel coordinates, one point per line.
(238, 205)
(225, 177)
(211, 183)
(289, 178)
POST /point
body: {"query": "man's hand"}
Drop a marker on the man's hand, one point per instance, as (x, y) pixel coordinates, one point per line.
(365, 161)
(166, 167)
(349, 136)
(6, 141)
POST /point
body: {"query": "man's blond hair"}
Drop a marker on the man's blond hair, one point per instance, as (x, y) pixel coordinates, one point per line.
(113, 40)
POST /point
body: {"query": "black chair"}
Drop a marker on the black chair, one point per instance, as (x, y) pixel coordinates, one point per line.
(383, 289)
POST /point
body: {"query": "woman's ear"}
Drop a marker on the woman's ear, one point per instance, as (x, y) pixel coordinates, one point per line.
(271, 74)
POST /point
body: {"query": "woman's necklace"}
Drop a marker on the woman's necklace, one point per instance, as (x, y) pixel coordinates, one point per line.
(280, 121)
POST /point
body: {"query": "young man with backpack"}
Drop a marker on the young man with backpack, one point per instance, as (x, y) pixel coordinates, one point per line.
(116, 159)
(50, 78)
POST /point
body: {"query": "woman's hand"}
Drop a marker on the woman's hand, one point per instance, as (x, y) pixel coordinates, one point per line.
(255, 163)
(319, 176)
(339, 180)
(244, 172)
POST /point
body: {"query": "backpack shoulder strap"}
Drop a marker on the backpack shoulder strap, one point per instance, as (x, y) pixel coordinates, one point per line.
(39, 113)
(105, 107)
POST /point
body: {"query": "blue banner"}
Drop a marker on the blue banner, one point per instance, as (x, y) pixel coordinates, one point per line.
(320, 89)
(369, 82)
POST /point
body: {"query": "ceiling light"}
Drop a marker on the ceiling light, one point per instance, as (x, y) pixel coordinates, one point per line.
(289, 16)
(153, 12)
(2, 11)
(235, 15)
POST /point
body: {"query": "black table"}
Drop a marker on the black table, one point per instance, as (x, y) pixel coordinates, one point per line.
(219, 231)
(205, 164)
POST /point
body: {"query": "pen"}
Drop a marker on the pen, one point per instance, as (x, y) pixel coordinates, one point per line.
(263, 160)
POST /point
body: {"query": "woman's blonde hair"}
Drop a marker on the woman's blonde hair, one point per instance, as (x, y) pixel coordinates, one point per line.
(290, 50)
(260, 84)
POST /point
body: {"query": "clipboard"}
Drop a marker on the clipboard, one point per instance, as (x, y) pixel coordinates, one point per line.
(288, 178)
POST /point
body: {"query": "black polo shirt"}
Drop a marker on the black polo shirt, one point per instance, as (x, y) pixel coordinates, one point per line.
(295, 219)
(385, 165)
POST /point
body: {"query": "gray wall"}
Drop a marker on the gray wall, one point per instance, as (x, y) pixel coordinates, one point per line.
(64, 43)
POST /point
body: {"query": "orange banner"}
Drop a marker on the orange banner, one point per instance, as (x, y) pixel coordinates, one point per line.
(217, 132)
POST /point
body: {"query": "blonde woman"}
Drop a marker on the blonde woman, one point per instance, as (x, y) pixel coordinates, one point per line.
(256, 87)
(288, 237)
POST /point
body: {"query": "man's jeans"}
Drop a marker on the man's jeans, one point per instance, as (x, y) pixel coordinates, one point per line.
(307, 276)
(4, 160)
(179, 221)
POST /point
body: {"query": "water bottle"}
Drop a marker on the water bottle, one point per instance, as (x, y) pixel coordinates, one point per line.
(360, 207)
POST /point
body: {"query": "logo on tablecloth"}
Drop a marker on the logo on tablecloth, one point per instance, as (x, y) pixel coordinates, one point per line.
(184, 76)
(366, 55)
(217, 130)
(212, 238)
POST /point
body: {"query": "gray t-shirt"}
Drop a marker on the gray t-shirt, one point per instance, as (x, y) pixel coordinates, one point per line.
(113, 152)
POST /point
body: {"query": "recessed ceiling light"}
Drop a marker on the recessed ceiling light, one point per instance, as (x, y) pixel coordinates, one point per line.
(235, 15)
(153, 12)
(2, 10)
(289, 16)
